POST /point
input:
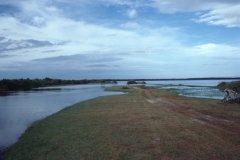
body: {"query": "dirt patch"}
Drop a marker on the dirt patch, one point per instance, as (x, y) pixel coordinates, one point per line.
(199, 121)
(137, 88)
(158, 101)
(218, 115)
(221, 120)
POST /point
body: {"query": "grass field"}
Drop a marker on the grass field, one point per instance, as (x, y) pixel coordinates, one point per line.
(144, 124)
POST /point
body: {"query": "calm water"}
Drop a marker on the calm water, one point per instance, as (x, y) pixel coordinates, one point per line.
(192, 88)
(189, 82)
(18, 110)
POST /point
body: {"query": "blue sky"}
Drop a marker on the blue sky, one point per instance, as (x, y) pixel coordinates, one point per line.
(84, 39)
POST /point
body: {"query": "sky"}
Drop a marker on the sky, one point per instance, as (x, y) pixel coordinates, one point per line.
(101, 39)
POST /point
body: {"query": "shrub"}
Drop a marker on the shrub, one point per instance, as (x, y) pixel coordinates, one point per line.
(131, 82)
(234, 85)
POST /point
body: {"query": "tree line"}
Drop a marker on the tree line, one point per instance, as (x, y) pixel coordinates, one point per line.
(28, 84)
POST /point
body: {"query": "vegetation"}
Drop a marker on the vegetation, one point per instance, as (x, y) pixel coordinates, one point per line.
(144, 124)
(134, 82)
(27, 84)
(234, 85)
(131, 82)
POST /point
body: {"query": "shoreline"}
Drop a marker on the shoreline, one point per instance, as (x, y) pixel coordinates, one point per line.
(49, 86)
(140, 117)
(60, 106)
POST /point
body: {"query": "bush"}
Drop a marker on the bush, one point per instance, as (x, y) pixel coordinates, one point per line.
(131, 82)
(222, 84)
(234, 85)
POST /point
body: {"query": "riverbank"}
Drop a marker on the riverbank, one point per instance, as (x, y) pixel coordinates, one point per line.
(144, 124)
(28, 84)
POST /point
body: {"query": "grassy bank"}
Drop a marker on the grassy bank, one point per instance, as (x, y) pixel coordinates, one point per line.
(144, 124)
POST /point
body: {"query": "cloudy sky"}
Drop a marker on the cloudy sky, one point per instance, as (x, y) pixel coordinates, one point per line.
(94, 39)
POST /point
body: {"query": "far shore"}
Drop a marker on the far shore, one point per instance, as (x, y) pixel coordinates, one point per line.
(28, 84)
(144, 124)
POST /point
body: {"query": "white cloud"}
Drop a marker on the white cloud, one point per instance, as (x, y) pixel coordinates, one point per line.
(132, 13)
(227, 16)
(142, 48)
(132, 3)
(214, 51)
(130, 25)
(173, 6)
(219, 12)
(38, 21)
(83, 37)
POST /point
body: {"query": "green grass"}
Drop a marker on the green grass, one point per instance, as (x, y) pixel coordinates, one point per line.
(129, 127)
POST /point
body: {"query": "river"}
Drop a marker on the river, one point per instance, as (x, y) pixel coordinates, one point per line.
(18, 110)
